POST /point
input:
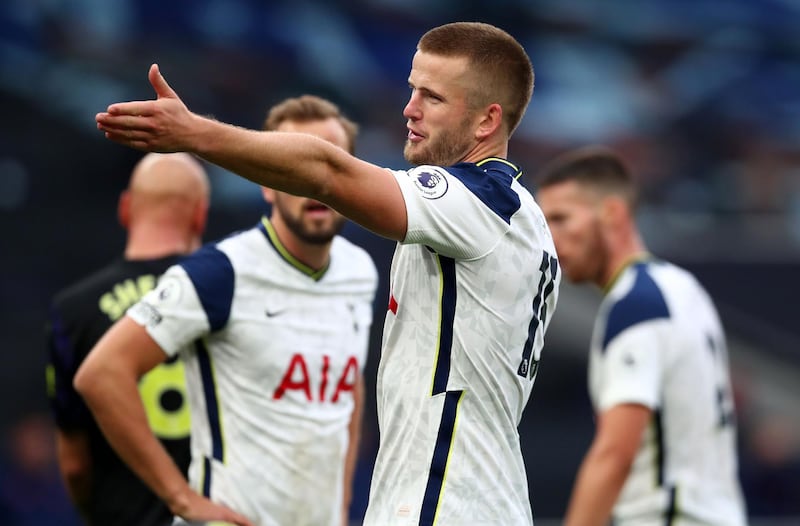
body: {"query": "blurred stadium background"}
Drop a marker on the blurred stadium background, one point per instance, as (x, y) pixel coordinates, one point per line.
(702, 97)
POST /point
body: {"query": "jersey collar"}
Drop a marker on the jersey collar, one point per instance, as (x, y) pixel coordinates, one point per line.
(269, 232)
(498, 164)
(639, 257)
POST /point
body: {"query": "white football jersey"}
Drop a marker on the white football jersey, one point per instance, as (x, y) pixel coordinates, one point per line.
(272, 352)
(658, 342)
(473, 288)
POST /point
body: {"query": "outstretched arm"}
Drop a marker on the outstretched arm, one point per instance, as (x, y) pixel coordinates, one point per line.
(107, 379)
(290, 162)
(607, 464)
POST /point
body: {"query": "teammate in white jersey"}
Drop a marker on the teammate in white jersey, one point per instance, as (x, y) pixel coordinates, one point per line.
(665, 447)
(474, 280)
(272, 324)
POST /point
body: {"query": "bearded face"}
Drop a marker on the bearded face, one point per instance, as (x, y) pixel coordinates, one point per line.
(310, 221)
(440, 120)
(577, 231)
(442, 147)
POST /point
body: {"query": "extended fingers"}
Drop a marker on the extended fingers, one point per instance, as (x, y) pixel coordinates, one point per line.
(108, 122)
(140, 139)
(145, 125)
(129, 138)
(143, 108)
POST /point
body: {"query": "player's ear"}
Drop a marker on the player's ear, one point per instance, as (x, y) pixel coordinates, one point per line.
(200, 216)
(490, 120)
(268, 193)
(613, 210)
(124, 209)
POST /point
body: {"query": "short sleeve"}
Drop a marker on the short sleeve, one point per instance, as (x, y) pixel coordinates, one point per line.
(631, 367)
(192, 299)
(447, 215)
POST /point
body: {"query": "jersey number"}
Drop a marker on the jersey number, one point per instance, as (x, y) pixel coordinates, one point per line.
(726, 414)
(548, 268)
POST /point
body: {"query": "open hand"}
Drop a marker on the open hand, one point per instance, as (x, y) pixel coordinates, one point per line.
(160, 125)
(196, 509)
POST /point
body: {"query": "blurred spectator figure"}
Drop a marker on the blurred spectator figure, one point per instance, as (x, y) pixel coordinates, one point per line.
(31, 492)
(767, 176)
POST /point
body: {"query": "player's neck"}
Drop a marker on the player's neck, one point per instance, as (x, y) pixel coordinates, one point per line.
(313, 255)
(484, 150)
(628, 251)
(158, 243)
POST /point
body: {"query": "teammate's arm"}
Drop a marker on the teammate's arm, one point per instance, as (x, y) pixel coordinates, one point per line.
(351, 458)
(75, 464)
(107, 379)
(295, 163)
(606, 465)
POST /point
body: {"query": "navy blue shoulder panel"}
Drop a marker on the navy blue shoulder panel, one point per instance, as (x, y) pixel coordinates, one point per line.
(491, 183)
(211, 273)
(643, 302)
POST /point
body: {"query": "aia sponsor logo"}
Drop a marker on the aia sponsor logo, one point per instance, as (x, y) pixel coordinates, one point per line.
(297, 378)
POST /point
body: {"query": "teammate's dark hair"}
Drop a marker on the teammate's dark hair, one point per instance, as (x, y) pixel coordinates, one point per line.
(597, 167)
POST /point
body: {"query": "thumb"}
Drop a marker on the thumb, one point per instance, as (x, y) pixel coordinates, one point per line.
(160, 84)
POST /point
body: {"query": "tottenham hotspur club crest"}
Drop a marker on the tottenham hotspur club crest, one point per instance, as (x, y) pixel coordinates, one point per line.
(430, 183)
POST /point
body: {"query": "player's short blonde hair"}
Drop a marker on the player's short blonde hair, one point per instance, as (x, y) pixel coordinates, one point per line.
(500, 69)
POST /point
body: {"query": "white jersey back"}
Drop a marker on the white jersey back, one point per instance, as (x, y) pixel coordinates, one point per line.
(272, 352)
(473, 287)
(658, 342)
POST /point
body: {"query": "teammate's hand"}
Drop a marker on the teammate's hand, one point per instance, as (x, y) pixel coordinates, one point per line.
(160, 125)
(196, 509)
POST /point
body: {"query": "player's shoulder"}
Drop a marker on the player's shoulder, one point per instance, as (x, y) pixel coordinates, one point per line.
(639, 283)
(211, 275)
(674, 279)
(492, 181)
(239, 241)
(226, 250)
(635, 297)
(209, 260)
(353, 256)
(652, 291)
(80, 288)
(86, 289)
(651, 286)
